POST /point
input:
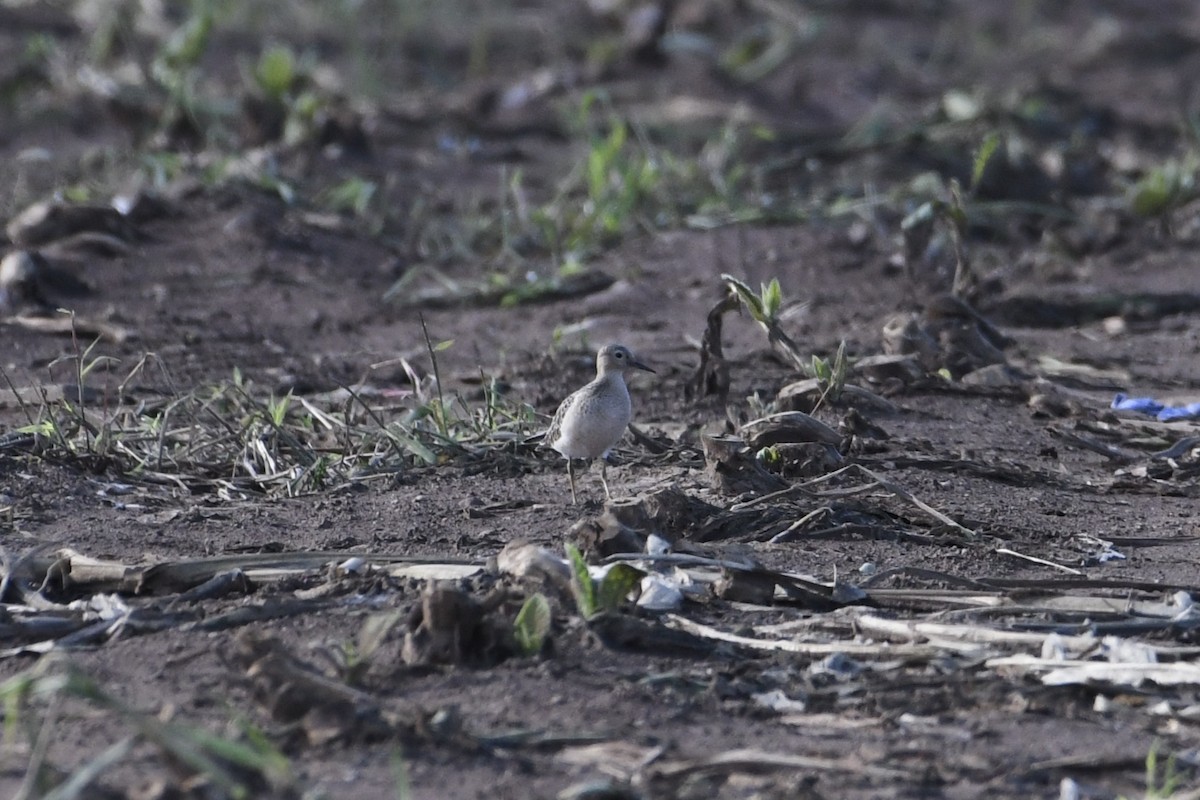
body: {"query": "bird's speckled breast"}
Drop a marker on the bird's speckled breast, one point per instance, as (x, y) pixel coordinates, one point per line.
(596, 420)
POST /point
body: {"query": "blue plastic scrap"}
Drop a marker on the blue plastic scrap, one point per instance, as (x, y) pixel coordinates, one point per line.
(1154, 408)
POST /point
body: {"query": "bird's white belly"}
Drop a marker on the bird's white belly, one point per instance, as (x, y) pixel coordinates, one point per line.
(591, 432)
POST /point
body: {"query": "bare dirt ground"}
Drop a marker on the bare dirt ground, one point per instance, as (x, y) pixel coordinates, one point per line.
(974, 583)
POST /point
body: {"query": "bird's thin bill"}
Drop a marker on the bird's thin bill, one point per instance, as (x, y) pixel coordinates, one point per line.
(639, 365)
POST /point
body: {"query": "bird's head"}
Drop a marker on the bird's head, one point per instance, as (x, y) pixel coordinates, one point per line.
(618, 358)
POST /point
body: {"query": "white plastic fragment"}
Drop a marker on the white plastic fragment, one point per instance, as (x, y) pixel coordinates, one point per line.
(353, 565)
(123, 203)
(1068, 789)
(657, 545)
(1161, 709)
(1053, 648)
(1184, 602)
(1126, 651)
(107, 606)
(660, 594)
(836, 665)
(776, 700)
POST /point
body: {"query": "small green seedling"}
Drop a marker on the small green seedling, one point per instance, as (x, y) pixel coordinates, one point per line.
(765, 305)
(532, 625)
(594, 598)
(277, 409)
(187, 44)
(1163, 782)
(353, 658)
(400, 775)
(983, 156)
(352, 195)
(919, 226)
(1163, 190)
(230, 765)
(832, 377)
(764, 308)
(276, 72)
(769, 456)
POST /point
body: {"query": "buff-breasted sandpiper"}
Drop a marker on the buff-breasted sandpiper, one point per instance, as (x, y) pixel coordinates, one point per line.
(593, 419)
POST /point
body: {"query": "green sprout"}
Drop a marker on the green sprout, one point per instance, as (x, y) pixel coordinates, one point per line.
(987, 149)
(276, 72)
(831, 376)
(1163, 190)
(532, 625)
(594, 598)
(277, 410)
(769, 456)
(764, 308)
(765, 305)
(233, 766)
(353, 195)
(1161, 784)
(185, 47)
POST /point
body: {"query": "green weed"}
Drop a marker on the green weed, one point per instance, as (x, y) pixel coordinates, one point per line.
(276, 72)
(231, 438)
(238, 766)
(764, 308)
(623, 184)
(832, 376)
(983, 157)
(532, 624)
(592, 597)
(1165, 189)
(352, 659)
(352, 195)
(400, 776)
(1162, 781)
(950, 214)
